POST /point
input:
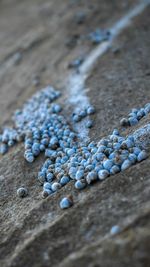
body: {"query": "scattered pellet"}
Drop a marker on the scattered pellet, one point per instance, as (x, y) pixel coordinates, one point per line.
(135, 115)
(22, 192)
(66, 203)
(115, 230)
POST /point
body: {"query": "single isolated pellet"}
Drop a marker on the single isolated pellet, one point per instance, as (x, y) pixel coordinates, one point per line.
(115, 230)
(22, 192)
(66, 203)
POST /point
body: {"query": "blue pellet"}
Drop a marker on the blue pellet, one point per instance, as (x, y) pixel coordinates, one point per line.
(50, 177)
(89, 124)
(11, 143)
(90, 110)
(70, 152)
(42, 147)
(91, 177)
(64, 180)
(115, 230)
(80, 184)
(72, 172)
(47, 186)
(56, 108)
(79, 174)
(133, 121)
(142, 156)
(107, 164)
(133, 158)
(46, 193)
(126, 164)
(66, 203)
(22, 192)
(101, 148)
(136, 151)
(83, 113)
(89, 167)
(103, 174)
(115, 132)
(3, 149)
(55, 186)
(76, 118)
(98, 168)
(115, 169)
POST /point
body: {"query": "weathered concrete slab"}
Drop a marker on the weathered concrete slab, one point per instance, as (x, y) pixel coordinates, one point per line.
(35, 232)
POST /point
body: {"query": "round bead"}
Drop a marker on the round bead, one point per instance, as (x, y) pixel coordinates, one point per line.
(55, 186)
(115, 230)
(66, 203)
(142, 156)
(80, 184)
(22, 192)
(103, 174)
(92, 176)
(126, 164)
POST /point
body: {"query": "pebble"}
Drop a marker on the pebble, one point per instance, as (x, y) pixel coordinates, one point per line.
(124, 122)
(55, 186)
(126, 164)
(47, 186)
(103, 174)
(46, 193)
(142, 156)
(108, 164)
(22, 192)
(80, 184)
(115, 230)
(132, 121)
(64, 180)
(115, 169)
(90, 110)
(89, 124)
(82, 113)
(50, 177)
(92, 176)
(3, 149)
(135, 116)
(66, 203)
(79, 174)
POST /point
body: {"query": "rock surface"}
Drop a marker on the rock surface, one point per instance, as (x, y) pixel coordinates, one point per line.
(34, 231)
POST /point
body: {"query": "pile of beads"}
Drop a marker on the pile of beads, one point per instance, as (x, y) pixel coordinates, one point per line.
(89, 162)
(135, 115)
(43, 129)
(29, 123)
(82, 113)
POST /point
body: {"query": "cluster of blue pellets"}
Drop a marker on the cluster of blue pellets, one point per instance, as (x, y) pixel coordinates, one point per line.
(42, 128)
(82, 113)
(135, 115)
(30, 124)
(9, 138)
(88, 162)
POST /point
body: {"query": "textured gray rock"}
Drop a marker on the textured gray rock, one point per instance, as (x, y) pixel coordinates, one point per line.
(35, 231)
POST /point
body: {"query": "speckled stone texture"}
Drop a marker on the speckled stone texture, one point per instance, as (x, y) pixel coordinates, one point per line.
(34, 231)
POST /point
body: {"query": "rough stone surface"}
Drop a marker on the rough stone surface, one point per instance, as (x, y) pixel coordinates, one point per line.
(35, 231)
